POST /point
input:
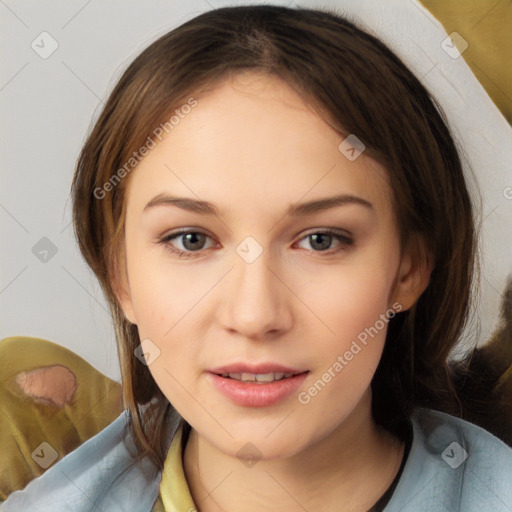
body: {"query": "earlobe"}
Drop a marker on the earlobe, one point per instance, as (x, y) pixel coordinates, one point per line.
(413, 276)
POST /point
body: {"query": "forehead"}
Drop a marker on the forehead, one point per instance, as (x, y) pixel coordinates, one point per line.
(252, 137)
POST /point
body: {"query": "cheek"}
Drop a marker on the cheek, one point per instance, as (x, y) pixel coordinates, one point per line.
(346, 355)
(159, 292)
(349, 297)
(358, 331)
(166, 299)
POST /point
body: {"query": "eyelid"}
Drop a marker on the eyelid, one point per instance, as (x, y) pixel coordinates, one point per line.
(332, 230)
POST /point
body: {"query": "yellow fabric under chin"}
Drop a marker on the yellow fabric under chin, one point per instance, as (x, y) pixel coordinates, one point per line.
(174, 491)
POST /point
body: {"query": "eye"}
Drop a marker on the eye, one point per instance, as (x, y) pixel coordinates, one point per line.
(322, 240)
(192, 241)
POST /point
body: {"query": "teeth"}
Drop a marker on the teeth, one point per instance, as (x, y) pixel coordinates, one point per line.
(258, 377)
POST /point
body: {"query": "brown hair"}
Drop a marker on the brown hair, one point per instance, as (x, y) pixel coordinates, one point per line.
(365, 89)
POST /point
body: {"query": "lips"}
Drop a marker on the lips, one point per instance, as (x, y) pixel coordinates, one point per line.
(258, 369)
(249, 387)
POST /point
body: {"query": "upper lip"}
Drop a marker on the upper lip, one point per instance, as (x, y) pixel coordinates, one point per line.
(256, 368)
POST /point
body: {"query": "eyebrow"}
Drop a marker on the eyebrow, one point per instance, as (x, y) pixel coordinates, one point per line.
(294, 210)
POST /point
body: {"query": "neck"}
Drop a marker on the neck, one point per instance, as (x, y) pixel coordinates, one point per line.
(347, 470)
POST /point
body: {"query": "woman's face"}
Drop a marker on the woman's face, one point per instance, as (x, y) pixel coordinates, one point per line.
(261, 283)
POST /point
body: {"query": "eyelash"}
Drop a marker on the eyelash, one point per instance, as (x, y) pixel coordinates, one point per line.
(345, 245)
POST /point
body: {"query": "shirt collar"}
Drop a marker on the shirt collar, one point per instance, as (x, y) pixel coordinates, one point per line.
(174, 490)
(422, 466)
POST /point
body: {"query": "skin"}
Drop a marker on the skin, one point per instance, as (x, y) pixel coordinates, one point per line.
(293, 305)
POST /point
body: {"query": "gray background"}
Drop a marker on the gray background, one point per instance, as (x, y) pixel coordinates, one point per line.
(47, 106)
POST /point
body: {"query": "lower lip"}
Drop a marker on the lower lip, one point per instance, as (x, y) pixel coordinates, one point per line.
(257, 395)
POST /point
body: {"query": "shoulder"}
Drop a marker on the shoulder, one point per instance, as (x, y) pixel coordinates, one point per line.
(100, 471)
(453, 465)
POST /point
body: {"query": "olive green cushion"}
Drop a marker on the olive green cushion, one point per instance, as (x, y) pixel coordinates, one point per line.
(27, 420)
(487, 28)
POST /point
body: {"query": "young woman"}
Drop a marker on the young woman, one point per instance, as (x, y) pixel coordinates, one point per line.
(278, 216)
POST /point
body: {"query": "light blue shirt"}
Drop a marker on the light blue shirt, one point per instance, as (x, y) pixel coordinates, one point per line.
(452, 466)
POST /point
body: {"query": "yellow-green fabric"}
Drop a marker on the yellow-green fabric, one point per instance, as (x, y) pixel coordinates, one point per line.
(25, 424)
(174, 491)
(487, 28)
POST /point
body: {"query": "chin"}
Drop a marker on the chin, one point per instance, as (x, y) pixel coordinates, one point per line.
(262, 446)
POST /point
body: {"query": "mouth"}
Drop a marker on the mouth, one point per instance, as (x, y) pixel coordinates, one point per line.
(262, 386)
(258, 378)
(261, 373)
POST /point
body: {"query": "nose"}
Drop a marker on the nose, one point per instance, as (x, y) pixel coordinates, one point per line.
(258, 302)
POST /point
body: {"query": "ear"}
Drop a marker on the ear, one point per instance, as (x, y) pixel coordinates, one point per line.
(121, 288)
(413, 274)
